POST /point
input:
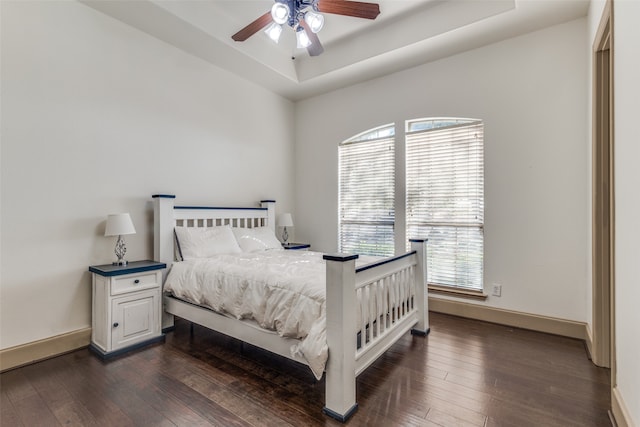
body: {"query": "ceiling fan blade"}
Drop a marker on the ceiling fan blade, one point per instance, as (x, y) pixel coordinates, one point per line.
(315, 48)
(356, 9)
(253, 28)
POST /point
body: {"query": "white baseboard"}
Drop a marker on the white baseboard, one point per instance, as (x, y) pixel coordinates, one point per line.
(619, 409)
(24, 354)
(589, 342)
(551, 325)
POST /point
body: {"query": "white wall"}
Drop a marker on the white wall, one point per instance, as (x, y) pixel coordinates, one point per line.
(97, 117)
(530, 92)
(626, 39)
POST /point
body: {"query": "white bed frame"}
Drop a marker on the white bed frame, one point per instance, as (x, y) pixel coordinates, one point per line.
(402, 276)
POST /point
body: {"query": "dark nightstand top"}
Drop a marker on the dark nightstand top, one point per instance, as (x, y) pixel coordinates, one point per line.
(132, 267)
(296, 245)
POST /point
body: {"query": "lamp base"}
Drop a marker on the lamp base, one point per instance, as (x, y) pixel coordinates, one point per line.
(120, 252)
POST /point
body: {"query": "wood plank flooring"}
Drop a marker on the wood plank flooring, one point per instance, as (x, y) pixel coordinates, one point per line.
(465, 373)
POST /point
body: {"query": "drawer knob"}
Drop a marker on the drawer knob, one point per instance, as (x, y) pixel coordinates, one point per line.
(115, 325)
(136, 281)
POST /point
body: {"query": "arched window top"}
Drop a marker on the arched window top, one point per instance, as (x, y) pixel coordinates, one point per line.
(420, 125)
(380, 132)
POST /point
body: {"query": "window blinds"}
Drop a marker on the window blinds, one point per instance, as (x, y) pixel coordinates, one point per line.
(445, 199)
(366, 195)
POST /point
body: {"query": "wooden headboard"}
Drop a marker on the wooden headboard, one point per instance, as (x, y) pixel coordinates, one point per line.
(166, 216)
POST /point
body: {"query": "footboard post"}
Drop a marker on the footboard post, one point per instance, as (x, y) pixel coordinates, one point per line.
(341, 338)
(422, 300)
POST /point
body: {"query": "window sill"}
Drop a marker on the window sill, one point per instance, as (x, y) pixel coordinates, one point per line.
(453, 292)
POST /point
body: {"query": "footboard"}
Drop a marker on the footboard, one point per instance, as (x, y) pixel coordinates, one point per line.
(383, 300)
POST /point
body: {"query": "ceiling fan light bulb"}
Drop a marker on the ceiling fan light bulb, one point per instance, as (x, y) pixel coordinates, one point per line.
(273, 31)
(280, 13)
(303, 38)
(314, 20)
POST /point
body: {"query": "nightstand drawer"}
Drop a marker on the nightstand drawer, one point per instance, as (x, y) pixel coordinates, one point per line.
(132, 283)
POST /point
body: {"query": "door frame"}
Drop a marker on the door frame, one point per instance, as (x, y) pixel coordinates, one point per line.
(603, 220)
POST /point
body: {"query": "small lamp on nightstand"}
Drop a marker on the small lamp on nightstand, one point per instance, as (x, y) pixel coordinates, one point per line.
(119, 225)
(285, 220)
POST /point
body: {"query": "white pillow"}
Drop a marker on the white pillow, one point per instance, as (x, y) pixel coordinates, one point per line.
(256, 239)
(200, 242)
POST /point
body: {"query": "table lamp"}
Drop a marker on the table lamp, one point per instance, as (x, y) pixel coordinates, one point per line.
(285, 220)
(119, 225)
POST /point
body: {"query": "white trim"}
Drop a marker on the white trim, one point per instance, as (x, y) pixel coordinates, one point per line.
(535, 322)
(589, 341)
(47, 348)
(619, 409)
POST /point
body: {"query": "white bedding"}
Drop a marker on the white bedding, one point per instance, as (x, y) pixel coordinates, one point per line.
(281, 290)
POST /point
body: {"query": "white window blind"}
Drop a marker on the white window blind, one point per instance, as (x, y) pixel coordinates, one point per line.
(445, 197)
(366, 193)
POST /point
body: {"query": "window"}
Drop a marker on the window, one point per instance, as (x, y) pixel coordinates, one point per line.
(445, 197)
(366, 192)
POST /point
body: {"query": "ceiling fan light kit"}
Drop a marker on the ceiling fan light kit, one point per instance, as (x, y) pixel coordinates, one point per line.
(314, 20)
(302, 38)
(304, 18)
(274, 31)
(280, 13)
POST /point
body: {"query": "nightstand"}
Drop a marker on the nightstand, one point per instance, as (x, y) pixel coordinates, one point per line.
(297, 246)
(127, 306)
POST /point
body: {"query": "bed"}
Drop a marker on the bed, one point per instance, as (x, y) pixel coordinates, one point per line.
(389, 295)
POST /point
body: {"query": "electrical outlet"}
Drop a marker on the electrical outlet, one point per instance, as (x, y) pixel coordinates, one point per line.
(496, 291)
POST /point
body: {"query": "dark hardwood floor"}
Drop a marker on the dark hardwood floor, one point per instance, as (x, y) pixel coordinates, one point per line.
(465, 373)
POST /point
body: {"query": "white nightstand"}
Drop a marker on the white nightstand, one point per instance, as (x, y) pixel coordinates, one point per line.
(297, 246)
(126, 307)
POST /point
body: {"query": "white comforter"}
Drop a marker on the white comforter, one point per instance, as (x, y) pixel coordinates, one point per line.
(282, 290)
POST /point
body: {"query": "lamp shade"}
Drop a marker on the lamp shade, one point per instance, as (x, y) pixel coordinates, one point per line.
(285, 220)
(314, 20)
(119, 224)
(280, 13)
(273, 31)
(303, 38)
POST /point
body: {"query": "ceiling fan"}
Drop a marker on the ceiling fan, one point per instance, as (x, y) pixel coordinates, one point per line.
(304, 17)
